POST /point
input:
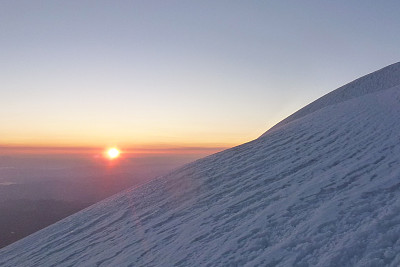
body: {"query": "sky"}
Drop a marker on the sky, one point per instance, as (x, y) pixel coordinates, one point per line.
(155, 74)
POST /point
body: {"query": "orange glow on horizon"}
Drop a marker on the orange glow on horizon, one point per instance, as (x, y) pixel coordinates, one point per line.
(156, 149)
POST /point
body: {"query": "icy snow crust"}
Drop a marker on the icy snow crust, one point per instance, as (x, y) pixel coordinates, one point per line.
(322, 190)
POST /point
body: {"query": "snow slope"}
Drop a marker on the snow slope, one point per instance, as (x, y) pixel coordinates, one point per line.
(322, 189)
(382, 79)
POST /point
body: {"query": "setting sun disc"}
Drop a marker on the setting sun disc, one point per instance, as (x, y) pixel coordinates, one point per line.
(113, 153)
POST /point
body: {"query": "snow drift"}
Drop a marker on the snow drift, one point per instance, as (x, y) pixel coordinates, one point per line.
(320, 188)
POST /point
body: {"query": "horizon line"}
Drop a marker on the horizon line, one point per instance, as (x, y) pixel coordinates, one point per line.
(151, 149)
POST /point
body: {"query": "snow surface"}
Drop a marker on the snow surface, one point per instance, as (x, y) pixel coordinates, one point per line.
(382, 79)
(322, 189)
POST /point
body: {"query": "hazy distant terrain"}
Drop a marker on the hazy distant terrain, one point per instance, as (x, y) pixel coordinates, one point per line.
(22, 217)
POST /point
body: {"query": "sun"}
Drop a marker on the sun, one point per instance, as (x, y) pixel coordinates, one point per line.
(113, 153)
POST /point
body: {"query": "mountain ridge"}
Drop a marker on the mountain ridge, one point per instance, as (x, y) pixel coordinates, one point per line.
(381, 79)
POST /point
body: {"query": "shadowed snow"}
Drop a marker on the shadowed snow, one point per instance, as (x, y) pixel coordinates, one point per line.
(321, 189)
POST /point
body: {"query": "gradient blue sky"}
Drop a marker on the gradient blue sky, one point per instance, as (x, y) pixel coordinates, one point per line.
(154, 73)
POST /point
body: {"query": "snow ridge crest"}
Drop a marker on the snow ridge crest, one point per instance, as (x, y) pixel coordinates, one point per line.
(379, 80)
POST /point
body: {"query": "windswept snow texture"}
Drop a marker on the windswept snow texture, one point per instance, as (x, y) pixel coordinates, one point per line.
(321, 190)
